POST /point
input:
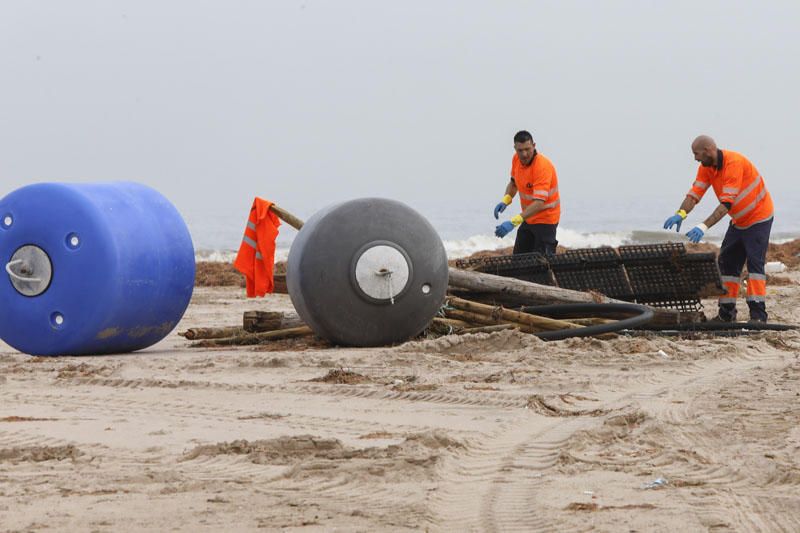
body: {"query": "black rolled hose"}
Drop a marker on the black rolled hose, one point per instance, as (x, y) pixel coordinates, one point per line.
(725, 326)
(642, 315)
(649, 333)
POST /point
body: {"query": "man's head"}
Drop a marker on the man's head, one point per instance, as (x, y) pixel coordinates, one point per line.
(525, 147)
(705, 151)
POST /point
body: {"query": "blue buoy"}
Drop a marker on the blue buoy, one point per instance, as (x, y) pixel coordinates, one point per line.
(91, 268)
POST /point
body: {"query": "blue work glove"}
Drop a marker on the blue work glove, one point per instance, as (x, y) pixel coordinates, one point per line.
(674, 220)
(504, 229)
(499, 208)
(697, 232)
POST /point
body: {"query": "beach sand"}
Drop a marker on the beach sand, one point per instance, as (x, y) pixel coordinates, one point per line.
(486, 432)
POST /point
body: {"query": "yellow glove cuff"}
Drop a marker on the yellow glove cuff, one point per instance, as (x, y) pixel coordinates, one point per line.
(517, 220)
(507, 199)
(683, 214)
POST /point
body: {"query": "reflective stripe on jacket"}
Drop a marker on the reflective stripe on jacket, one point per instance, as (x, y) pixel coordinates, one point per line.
(256, 256)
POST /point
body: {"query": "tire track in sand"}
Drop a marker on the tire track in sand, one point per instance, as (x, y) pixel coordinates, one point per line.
(489, 486)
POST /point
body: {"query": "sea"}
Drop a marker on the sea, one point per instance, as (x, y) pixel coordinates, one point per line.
(217, 236)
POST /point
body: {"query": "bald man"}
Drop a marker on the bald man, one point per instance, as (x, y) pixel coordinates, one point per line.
(743, 196)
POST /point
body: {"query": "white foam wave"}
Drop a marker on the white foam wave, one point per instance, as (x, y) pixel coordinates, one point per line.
(227, 256)
(575, 239)
(566, 237)
(464, 247)
(457, 248)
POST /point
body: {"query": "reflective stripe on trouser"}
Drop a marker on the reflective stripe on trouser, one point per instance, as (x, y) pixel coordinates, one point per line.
(731, 284)
(756, 287)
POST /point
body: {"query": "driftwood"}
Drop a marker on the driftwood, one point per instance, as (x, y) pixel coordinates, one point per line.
(536, 294)
(534, 321)
(486, 329)
(480, 319)
(533, 293)
(287, 217)
(477, 318)
(488, 321)
(254, 338)
(591, 321)
(450, 322)
(279, 284)
(256, 321)
(211, 333)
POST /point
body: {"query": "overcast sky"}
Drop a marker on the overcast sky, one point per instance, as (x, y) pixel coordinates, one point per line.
(308, 102)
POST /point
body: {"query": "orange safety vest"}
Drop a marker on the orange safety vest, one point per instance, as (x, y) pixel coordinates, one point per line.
(736, 181)
(256, 257)
(537, 181)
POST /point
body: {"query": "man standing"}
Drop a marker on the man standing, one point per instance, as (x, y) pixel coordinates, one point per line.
(742, 195)
(534, 177)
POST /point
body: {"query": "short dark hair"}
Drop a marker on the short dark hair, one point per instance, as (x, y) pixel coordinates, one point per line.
(523, 137)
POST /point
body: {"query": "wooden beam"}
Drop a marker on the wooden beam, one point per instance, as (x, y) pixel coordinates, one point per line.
(287, 217)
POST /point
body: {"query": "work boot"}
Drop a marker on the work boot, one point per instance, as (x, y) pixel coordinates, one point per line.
(727, 313)
(758, 312)
(757, 320)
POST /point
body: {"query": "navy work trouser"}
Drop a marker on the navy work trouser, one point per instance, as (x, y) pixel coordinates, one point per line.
(742, 246)
(536, 238)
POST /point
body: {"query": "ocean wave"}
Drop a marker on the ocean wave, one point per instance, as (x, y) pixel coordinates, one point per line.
(227, 256)
(457, 248)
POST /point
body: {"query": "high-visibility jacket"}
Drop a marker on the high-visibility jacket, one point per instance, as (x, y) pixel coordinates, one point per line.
(735, 180)
(537, 181)
(256, 257)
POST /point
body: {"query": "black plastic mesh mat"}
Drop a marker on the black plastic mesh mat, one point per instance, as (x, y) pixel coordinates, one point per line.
(532, 267)
(660, 275)
(664, 275)
(592, 269)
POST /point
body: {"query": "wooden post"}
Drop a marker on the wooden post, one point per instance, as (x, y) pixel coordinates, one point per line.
(254, 338)
(487, 329)
(287, 217)
(452, 322)
(472, 318)
(485, 320)
(534, 321)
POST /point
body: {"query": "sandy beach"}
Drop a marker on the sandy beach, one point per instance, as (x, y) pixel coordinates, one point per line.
(484, 432)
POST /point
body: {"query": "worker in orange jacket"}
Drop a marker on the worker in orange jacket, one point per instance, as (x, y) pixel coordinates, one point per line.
(534, 177)
(743, 196)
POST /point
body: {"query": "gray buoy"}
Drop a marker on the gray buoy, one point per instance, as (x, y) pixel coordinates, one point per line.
(367, 272)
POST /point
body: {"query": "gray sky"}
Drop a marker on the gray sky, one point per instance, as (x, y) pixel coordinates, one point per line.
(308, 102)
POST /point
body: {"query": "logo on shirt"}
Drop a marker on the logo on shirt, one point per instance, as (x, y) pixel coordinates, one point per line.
(529, 185)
